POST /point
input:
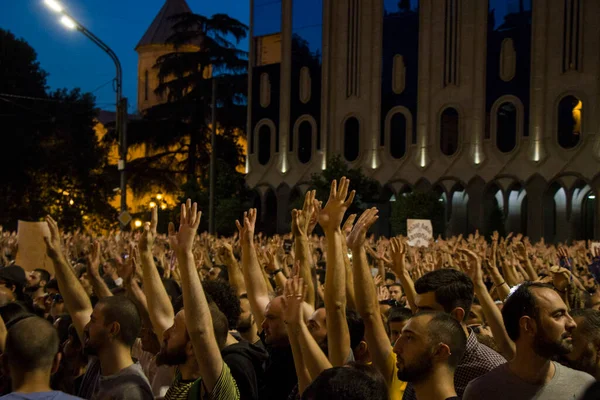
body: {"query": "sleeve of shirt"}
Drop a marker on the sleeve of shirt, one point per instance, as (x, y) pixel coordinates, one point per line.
(226, 388)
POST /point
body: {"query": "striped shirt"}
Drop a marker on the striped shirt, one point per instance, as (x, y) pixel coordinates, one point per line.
(225, 388)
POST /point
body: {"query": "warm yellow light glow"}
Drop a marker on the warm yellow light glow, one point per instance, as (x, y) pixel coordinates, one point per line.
(159, 196)
(54, 5)
(477, 156)
(284, 166)
(163, 206)
(138, 223)
(374, 162)
(68, 22)
(152, 204)
(423, 161)
(65, 193)
(71, 202)
(577, 118)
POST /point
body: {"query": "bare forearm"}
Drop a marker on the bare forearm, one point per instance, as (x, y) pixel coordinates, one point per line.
(502, 287)
(301, 370)
(350, 297)
(302, 250)
(338, 335)
(199, 322)
(100, 288)
(160, 307)
(409, 288)
(494, 319)
(314, 359)
(256, 287)
(236, 278)
(533, 275)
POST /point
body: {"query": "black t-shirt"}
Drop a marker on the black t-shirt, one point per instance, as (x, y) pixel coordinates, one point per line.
(246, 363)
(280, 373)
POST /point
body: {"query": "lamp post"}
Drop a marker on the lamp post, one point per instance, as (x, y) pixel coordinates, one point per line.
(121, 113)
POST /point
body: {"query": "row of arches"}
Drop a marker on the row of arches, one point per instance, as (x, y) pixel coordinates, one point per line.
(505, 128)
(537, 209)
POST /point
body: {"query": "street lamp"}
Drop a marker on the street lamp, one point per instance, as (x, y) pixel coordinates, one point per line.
(121, 124)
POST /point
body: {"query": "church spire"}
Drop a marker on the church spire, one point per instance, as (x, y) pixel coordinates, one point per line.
(162, 26)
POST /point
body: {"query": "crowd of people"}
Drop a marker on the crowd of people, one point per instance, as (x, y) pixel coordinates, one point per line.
(342, 315)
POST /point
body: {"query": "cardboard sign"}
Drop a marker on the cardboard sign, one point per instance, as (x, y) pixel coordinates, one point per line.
(419, 232)
(31, 253)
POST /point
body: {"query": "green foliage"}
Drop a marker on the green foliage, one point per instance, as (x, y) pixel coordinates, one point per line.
(368, 190)
(418, 205)
(50, 160)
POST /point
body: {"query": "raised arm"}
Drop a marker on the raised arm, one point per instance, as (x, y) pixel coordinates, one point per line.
(330, 219)
(77, 302)
(236, 278)
(366, 297)
(160, 307)
(198, 319)
(398, 251)
(258, 294)
(346, 230)
(100, 288)
(300, 224)
(492, 314)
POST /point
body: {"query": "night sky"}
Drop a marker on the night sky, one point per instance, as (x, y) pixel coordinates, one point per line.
(72, 60)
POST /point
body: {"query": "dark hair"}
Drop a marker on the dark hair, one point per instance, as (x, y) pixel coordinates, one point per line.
(391, 276)
(356, 327)
(399, 314)
(223, 274)
(442, 328)
(452, 289)
(225, 297)
(52, 284)
(123, 311)
(518, 304)
(31, 344)
(220, 325)
(44, 275)
(348, 383)
(161, 270)
(13, 312)
(63, 327)
(590, 326)
(173, 289)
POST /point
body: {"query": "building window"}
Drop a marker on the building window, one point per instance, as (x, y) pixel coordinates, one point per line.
(264, 145)
(570, 112)
(351, 139)
(506, 127)
(398, 135)
(146, 84)
(305, 133)
(449, 131)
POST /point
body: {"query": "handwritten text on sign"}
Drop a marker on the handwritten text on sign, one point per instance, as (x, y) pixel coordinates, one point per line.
(420, 232)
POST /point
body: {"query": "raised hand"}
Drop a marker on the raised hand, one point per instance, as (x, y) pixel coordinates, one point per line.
(128, 269)
(148, 236)
(318, 205)
(94, 259)
(357, 237)
(383, 294)
(398, 251)
(330, 217)
(54, 244)
(349, 224)
(472, 267)
(246, 230)
(182, 242)
(301, 218)
(293, 297)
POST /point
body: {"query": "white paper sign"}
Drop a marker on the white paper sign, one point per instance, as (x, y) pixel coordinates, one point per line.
(31, 253)
(595, 245)
(420, 232)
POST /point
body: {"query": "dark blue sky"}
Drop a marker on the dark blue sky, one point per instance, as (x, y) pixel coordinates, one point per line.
(72, 60)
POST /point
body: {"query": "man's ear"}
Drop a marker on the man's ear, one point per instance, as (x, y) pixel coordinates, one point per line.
(442, 352)
(56, 363)
(115, 329)
(43, 283)
(527, 325)
(458, 314)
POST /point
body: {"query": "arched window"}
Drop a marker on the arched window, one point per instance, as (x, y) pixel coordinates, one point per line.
(351, 139)
(449, 131)
(305, 142)
(570, 112)
(506, 127)
(146, 84)
(264, 145)
(398, 135)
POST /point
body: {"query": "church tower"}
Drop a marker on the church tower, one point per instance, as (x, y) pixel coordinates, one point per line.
(154, 44)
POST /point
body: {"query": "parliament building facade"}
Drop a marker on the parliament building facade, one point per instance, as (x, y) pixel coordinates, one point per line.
(492, 104)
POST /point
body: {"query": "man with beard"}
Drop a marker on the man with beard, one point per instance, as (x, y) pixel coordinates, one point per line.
(107, 332)
(36, 283)
(538, 321)
(586, 343)
(428, 352)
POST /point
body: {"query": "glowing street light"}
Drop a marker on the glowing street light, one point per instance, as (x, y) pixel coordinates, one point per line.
(68, 22)
(159, 196)
(54, 5)
(138, 223)
(152, 204)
